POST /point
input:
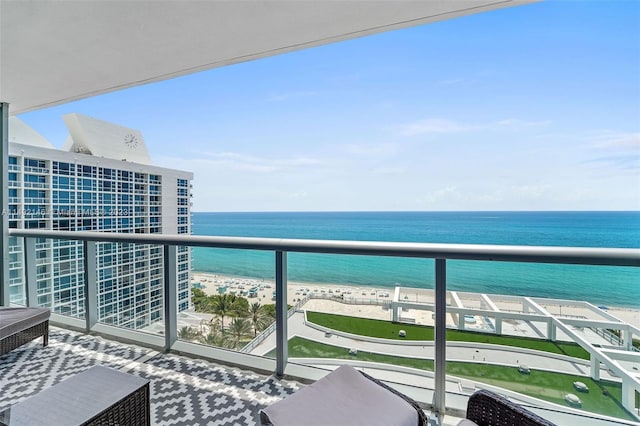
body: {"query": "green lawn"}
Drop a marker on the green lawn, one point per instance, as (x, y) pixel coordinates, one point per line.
(544, 385)
(302, 348)
(389, 330)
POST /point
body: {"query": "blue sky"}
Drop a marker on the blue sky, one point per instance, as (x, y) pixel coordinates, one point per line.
(528, 108)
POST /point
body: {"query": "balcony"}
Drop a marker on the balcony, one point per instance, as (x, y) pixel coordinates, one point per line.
(271, 350)
(184, 390)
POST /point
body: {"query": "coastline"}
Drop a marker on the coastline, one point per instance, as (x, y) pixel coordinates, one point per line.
(298, 290)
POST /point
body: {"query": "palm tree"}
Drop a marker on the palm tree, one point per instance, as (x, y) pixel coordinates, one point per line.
(188, 333)
(240, 307)
(212, 326)
(258, 317)
(216, 338)
(222, 304)
(239, 329)
(199, 299)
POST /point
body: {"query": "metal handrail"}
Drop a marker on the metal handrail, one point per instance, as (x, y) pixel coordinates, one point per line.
(504, 253)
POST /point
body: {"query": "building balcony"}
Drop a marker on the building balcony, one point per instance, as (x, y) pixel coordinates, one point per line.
(42, 185)
(274, 350)
(39, 170)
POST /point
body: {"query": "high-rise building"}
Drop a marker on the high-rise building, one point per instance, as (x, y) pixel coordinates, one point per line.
(101, 180)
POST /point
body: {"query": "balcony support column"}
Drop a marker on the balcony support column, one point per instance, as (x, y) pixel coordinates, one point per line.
(628, 396)
(282, 352)
(551, 330)
(4, 200)
(90, 254)
(595, 368)
(627, 339)
(440, 338)
(30, 271)
(170, 260)
(461, 325)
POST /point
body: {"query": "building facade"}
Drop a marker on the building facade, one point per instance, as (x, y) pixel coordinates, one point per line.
(101, 180)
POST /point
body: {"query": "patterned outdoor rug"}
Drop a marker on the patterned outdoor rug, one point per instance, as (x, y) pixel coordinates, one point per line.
(184, 391)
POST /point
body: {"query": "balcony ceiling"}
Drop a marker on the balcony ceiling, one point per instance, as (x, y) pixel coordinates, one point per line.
(52, 52)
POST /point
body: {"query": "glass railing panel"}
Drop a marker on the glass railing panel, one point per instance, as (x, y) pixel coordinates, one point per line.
(63, 285)
(511, 329)
(52, 274)
(344, 316)
(17, 289)
(232, 298)
(130, 290)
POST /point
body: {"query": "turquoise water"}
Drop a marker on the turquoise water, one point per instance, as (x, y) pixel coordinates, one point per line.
(614, 286)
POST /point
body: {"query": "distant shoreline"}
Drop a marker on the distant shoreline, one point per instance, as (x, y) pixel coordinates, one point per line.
(417, 211)
(390, 287)
(213, 281)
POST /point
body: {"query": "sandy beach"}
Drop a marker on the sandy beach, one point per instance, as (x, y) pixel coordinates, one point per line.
(296, 290)
(213, 283)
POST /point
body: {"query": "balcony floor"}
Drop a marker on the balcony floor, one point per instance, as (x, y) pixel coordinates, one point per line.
(184, 391)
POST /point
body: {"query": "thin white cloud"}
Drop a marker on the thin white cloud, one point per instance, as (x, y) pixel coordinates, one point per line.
(372, 150)
(434, 125)
(624, 163)
(285, 96)
(528, 191)
(519, 124)
(243, 162)
(451, 82)
(299, 194)
(389, 170)
(614, 153)
(614, 140)
(444, 126)
(439, 195)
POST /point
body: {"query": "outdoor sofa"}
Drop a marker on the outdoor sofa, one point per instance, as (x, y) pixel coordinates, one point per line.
(22, 325)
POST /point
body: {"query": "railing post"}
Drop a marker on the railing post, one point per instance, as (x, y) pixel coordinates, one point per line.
(90, 253)
(440, 338)
(281, 313)
(30, 271)
(4, 201)
(170, 296)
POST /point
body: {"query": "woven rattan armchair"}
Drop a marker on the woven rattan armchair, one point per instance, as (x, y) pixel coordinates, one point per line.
(22, 325)
(486, 408)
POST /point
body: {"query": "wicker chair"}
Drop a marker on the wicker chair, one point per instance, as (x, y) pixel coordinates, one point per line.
(22, 325)
(486, 408)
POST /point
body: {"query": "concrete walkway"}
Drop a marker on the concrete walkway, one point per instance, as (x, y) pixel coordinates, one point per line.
(469, 352)
(418, 386)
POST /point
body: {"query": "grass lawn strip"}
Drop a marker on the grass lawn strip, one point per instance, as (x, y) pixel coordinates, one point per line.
(389, 330)
(544, 385)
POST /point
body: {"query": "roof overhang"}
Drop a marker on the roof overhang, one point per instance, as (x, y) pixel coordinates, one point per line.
(52, 52)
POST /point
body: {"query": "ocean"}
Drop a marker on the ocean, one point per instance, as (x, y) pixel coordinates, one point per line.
(614, 286)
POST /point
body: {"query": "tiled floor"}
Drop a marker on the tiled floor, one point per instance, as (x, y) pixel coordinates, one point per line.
(184, 391)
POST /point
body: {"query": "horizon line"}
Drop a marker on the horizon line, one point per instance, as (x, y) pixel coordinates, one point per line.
(418, 211)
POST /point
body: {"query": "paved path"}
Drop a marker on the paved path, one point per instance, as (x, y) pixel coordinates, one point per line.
(420, 387)
(503, 356)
